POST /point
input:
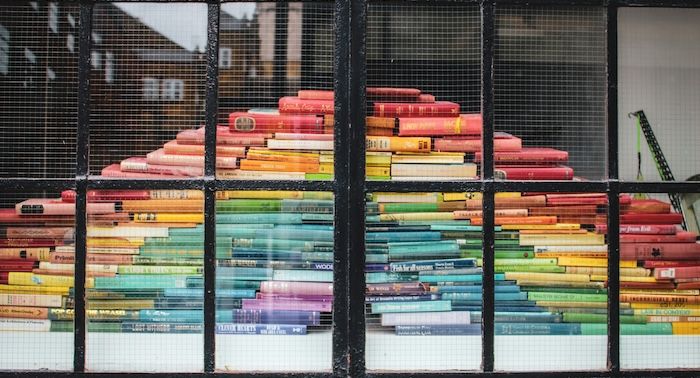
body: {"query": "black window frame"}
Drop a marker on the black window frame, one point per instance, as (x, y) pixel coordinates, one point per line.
(349, 186)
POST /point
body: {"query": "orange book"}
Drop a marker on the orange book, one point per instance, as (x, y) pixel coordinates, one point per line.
(467, 214)
(510, 202)
(518, 220)
(398, 144)
(24, 312)
(465, 124)
(653, 298)
(174, 148)
(262, 155)
(279, 166)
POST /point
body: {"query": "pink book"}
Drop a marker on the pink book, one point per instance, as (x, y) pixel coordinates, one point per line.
(48, 206)
(296, 105)
(269, 123)
(108, 195)
(295, 297)
(274, 304)
(644, 229)
(115, 171)
(159, 157)
(139, 164)
(465, 124)
(528, 155)
(223, 138)
(677, 272)
(474, 144)
(303, 136)
(407, 109)
(535, 172)
(174, 148)
(293, 287)
(645, 218)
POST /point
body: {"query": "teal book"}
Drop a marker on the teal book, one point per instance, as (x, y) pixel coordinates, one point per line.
(171, 316)
(316, 218)
(384, 277)
(308, 206)
(628, 329)
(303, 275)
(222, 293)
(245, 274)
(322, 227)
(292, 245)
(141, 281)
(532, 329)
(317, 256)
(275, 218)
(374, 237)
(457, 278)
(377, 258)
(281, 233)
(420, 306)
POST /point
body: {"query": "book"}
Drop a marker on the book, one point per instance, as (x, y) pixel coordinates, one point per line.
(438, 330)
(534, 172)
(659, 251)
(47, 206)
(433, 170)
(140, 165)
(474, 144)
(174, 148)
(527, 155)
(398, 109)
(273, 123)
(159, 157)
(223, 138)
(464, 124)
(405, 144)
(299, 144)
(260, 329)
(295, 105)
(677, 272)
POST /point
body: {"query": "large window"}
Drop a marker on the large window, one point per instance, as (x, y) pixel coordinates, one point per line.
(349, 188)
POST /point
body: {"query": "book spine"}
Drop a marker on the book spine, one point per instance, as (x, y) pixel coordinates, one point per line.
(159, 157)
(300, 144)
(260, 329)
(536, 173)
(465, 124)
(31, 300)
(397, 109)
(386, 307)
(299, 106)
(25, 325)
(438, 330)
(174, 148)
(404, 144)
(474, 145)
(277, 317)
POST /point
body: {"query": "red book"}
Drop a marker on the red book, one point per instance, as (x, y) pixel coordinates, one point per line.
(688, 285)
(65, 233)
(16, 265)
(528, 155)
(10, 216)
(535, 172)
(474, 144)
(49, 206)
(652, 206)
(465, 124)
(670, 263)
(660, 251)
(115, 171)
(426, 98)
(406, 109)
(29, 242)
(576, 210)
(223, 137)
(670, 218)
(679, 237)
(677, 272)
(576, 199)
(389, 92)
(107, 195)
(644, 229)
(647, 285)
(272, 123)
(295, 105)
(3, 277)
(379, 131)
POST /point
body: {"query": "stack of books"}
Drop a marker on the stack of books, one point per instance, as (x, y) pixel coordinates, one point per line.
(550, 265)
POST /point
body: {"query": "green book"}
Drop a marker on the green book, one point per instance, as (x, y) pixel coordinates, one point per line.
(628, 329)
(566, 297)
(319, 176)
(409, 207)
(572, 317)
(248, 206)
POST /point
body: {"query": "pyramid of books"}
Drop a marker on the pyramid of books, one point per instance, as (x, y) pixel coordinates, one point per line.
(274, 249)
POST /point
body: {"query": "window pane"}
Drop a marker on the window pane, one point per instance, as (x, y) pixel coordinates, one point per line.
(550, 93)
(144, 288)
(274, 280)
(423, 79)
(659, 281)
(659, 74)
(38, 90)
(550, 251)
(36, 300)
(146, 88)
(423, 274)
(276, 96)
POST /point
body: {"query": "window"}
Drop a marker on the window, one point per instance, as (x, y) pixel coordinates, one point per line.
(53, 17)
(109, 67)
(4, 50)
(95, 59)
(173, 89)
(225, 57)
(70, 42)
(151, 88)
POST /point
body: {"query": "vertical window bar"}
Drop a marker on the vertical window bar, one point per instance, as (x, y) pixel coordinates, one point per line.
(308, 32)
(341, 83)
(83, 136)
(212, 85)
(279, 71)
(613, 197)
(356, 154)
(487, 108)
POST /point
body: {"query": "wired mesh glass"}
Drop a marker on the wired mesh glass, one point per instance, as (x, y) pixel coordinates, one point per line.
(276, 90)
(423, 71)
(38, 89)
(144, 289)
(274, 280)
(551, 281)
(660, 311)
(659, 74)
(550, 92)
(147, 84)
(36, 301)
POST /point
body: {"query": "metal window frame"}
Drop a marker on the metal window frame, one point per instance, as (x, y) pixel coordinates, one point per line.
(349, 187)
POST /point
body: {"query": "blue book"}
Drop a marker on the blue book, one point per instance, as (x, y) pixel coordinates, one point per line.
(248, 274)
(221, 293)
(531, 329)
(275, 218)
(376, 267)
(260, 329)
(439, 330)
(451, 278)
(275, 317)
(146, 327)
(418, 306)
(401, 236)
(291, 245)
(171, 316)
(476, 289)
(430, 265)
(141, 281)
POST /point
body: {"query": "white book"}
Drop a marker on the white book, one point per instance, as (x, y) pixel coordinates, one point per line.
(25, 325)
(434, 170)
(70, 267)
(127, 232)
(31, 300)
(404, 197)
(291, 144)
(571, 248)
(426, 318)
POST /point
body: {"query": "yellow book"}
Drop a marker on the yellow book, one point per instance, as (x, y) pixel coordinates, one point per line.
(29, 289)
(624, 278)
(570, 248)
(123, 304)
(558, 239)
(602, 271)
(660, 292)
(546, 277)
(264, 194)
(378, 171)
(265, 151)
(325, 168)
(395, 144)
(427, 216)
(174, 205)
(115, 242)
(318, 195)
(594, 262)
(31, 279)
(381, 159)
(639, 305)
(169, 217)
(556, 226)
(686, 328)
(572, 254)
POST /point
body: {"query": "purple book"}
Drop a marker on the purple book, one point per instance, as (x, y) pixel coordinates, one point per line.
(295, 297)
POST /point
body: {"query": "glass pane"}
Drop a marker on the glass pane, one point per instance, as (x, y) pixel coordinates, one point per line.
(275, 96)
(36, 300)
(659, 75)
(423, 274)
(550, 253)
(659, 281)
(550, 93)
(38, 89)
(423, 91)
(147, 85)
(144, 289)
(274, 280)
